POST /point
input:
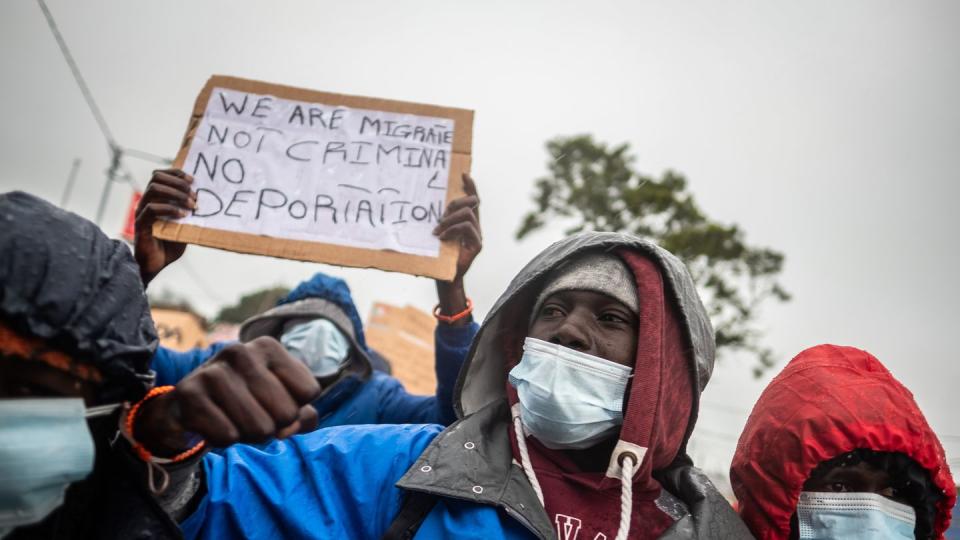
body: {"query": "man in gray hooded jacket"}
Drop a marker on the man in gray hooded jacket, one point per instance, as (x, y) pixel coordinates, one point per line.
(574, 406)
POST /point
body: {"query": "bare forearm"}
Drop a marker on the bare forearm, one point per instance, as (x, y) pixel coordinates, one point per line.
(452, 298)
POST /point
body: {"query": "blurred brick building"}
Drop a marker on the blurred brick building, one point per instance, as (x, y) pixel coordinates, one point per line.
(404, 336)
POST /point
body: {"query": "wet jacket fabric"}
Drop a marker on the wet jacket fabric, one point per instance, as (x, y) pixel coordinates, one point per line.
(171, 366)
(330, 483)
(827, 401)
(62, 281)
(349, 482)
(380, 400)
(384, 400)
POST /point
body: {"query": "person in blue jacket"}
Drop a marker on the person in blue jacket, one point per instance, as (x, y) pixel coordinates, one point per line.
(574, 408)
(318, 322)
(171, 365)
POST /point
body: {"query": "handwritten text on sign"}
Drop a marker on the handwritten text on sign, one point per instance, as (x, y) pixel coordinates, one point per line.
(308, 171)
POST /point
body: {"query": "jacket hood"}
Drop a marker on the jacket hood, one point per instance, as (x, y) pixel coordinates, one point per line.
(321, 296)
(333, 290)
(63, 281)
(483, 377)
(660, 404)
(827, 401)
(675, 353)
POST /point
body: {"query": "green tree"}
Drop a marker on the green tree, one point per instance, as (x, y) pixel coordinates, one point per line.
(591, 186)
(252, 304)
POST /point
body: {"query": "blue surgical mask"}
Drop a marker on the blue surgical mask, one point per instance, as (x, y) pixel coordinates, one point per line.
(568, 399)
(319, 344)
(45, 445)
(835, 516)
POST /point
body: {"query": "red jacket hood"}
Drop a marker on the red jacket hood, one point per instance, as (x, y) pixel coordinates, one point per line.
(827, 401)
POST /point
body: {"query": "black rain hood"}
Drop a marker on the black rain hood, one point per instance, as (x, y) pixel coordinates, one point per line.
(62, 280)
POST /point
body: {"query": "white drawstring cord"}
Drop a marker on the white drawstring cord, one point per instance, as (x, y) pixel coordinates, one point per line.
(627, 464)
(525, 458)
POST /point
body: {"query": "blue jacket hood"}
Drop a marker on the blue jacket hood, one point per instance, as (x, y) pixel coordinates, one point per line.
(331, 289)
(327, 297)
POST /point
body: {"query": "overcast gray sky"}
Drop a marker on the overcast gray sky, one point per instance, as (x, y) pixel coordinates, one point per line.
(828, 130)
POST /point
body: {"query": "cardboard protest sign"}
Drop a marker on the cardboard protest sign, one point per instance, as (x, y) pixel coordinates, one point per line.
(322, 177)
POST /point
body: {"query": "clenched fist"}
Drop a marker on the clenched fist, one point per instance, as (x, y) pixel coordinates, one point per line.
(247, 393)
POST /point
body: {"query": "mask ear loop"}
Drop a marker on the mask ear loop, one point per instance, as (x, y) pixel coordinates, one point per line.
(153, 468)
(524, 454)
(101, 410)
(151, 478)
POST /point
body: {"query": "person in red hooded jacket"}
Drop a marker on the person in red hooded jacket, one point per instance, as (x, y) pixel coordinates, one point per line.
(837, 448)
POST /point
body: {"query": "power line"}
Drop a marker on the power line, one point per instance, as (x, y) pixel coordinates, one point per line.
(147, 156)
(78, 77)
(71, 179)
(116, 151)
(131, 179)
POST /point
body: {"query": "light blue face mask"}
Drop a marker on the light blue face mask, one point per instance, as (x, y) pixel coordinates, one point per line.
(568, 399)
(319, 344)
(45, 445)
(849, 516)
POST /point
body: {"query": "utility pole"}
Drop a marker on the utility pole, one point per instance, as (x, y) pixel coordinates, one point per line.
(116, 153)
(68, 189)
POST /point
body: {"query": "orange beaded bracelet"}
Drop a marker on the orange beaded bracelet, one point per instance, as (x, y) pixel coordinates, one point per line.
(450, 319)
(141, 451)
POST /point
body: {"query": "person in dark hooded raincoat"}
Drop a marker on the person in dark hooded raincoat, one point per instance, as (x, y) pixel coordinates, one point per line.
(354, 392)
(76, 340)
(629, 339)
(837, 448)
